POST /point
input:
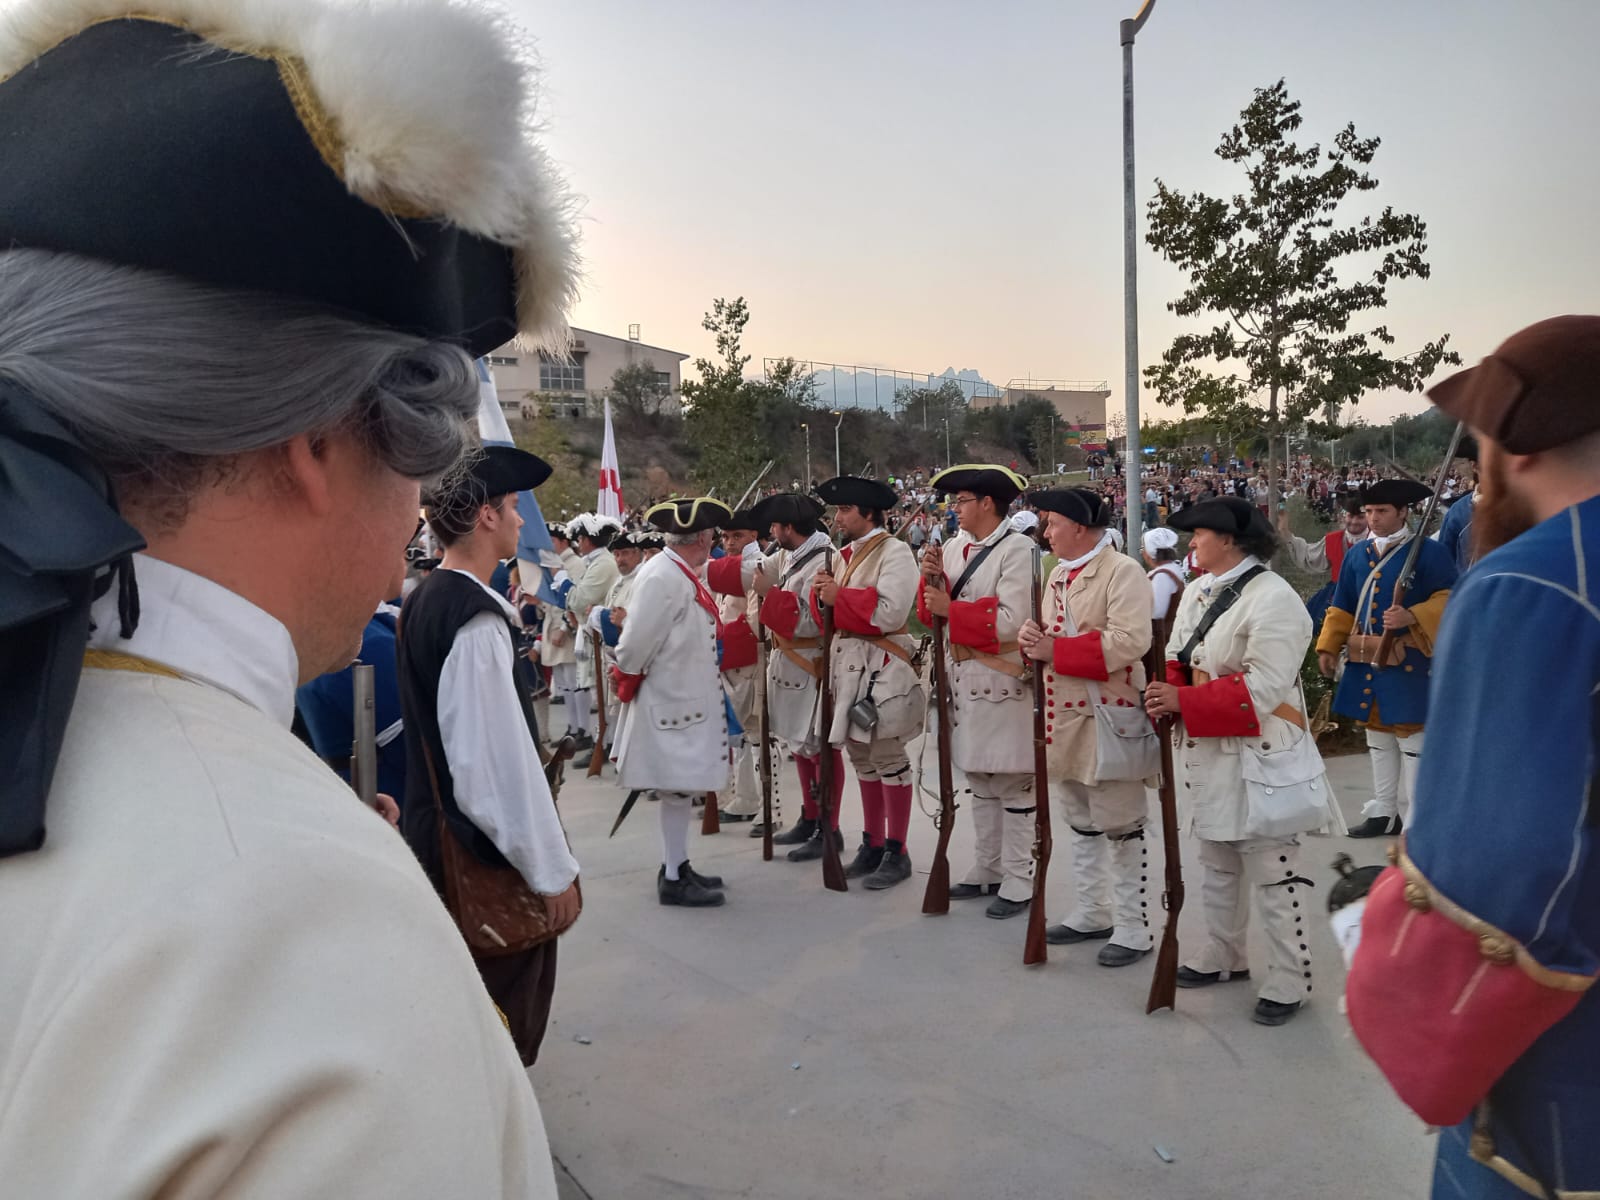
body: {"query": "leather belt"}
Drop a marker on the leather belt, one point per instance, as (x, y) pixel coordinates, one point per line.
(790, 648)
(993, 661)
(883, 643)
(1285, 712)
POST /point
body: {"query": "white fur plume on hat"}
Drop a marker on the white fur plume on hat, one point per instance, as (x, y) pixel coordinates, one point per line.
(430, 103)
(590, 524)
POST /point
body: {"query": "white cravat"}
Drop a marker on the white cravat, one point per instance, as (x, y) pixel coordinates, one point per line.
(1073, 564)
(206, 633)
(1209, 581)
(1403, 534)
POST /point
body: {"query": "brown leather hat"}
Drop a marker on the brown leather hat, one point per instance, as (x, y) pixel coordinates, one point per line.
(1539, 390)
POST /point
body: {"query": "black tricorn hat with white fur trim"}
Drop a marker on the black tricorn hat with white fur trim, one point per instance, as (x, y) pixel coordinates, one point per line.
(370, 158)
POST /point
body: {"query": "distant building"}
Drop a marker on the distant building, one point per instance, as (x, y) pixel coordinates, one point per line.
(576, 387)
(1080, 406)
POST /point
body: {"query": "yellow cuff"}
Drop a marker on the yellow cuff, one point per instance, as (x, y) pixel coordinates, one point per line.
(1336, 627)
(1428, 614)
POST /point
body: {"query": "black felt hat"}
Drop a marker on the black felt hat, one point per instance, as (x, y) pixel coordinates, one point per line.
(496, 471)
(1225, 514)
(786, 508)
(858, 491)
(281, 156)
(743, 519)
(1402, 493)
(692, 514)
(1076, 504)
(1352, 504)
(981, 479)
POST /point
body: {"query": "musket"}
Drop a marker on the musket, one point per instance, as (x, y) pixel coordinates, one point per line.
(1409, 570)
(1164, 983)
(598, 758)
(832, 868)
(762, 475)
(766, 757)
(1034, 948)
(936, 899)
(364, 747)
(710, 818)
(904, 531)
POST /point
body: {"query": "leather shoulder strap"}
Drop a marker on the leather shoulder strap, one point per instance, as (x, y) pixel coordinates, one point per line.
(977, 560)
(1230, 596)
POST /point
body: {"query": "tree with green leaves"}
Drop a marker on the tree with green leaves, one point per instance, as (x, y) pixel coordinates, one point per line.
(637, 393)
(723, 409)
(1266, 265)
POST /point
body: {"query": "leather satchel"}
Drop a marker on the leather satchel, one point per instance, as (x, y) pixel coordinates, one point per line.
(493, 906)
(1364, 650)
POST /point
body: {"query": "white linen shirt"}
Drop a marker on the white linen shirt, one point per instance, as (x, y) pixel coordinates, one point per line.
(494, 769)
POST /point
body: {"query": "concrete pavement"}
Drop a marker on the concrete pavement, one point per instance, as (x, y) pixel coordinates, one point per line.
(800, 1043)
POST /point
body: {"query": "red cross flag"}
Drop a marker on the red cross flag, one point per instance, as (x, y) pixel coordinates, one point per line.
(610, 502)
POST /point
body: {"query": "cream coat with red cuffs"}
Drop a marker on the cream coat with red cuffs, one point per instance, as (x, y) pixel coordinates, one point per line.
(992, 713)
(792, 692)
(877, 589)
(1110, 603)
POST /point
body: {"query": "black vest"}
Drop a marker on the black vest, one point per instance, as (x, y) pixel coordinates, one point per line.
(430, 619)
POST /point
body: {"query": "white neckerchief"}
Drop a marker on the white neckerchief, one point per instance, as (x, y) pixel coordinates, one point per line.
(751, 551)
(1400, 536)
(819, 538)
(1072, 564)
(1209, 581)
(206, 633)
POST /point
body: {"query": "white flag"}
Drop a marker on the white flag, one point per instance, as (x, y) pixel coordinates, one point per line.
(610, 502)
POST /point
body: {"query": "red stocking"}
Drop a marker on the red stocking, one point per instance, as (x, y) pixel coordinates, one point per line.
(897, 810)
(872, 810)
(836, 801)
(808, 777)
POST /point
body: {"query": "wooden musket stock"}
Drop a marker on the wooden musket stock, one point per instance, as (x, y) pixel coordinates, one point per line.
(1164, 983)
(832, 868)
(1034, 948)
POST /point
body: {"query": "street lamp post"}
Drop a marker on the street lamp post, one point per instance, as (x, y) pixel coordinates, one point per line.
(837, 469)
(1130, 291)
(947, 441)
(807, 430)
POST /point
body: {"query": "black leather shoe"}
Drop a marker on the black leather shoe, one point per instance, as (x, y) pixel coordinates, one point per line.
(709, 882)
(759, 829)
(971, 891)
(797, 834)
(736, 817)
(686, 893)
(584, 743)
(1270, 1012)
(894, 868)
(1000, 908)
(866, 860)
(1113, 955)
(1377, 827)
(1197, 979)
(812, 850)
(1065, 935)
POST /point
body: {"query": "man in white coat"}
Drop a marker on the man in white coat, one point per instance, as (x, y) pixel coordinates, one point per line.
(225, 365)
(558, 641)
(593, 576)
(729, 578)
(1095, 635)
(626, 552)
(794, 666)
(981, 582)
(871, 598)
(672, 734)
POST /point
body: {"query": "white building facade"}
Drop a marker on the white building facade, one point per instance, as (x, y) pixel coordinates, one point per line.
(575, 387)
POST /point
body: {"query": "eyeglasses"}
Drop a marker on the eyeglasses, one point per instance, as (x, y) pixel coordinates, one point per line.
(958, 501)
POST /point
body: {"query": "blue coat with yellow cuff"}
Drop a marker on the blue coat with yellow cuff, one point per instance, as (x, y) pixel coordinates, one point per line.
(1396, 695)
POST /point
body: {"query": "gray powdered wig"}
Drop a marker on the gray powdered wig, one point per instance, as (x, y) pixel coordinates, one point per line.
(166, 381)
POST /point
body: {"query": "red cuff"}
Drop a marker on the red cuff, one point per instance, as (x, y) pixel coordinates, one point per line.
(972, 624)
(1082, 657)
(626, 685)
(738, 641)
(1221, 708)
(780, 612)
(853, 611)
(924, 613)
(1442, 1019)
(724, 575)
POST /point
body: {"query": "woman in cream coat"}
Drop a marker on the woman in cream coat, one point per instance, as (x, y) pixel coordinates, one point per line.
(1241, 714)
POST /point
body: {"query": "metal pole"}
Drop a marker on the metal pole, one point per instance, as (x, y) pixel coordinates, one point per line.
(837, 469)
(947, 441)
(806, 428)
(1133, 472)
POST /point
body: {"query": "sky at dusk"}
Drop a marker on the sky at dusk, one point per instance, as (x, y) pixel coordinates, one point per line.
(933, 184)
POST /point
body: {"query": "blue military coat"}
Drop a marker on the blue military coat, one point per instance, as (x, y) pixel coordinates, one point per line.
(327, 704)
(1505, 825)
(1364, 591)
(1455, 531)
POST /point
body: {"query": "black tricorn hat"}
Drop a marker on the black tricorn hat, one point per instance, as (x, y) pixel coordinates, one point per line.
(1225, 514)
(496, 471)
(786, 508)
(692, 514)
(1352, 504)
(1402, 493)
(1076, 504)
(743, 519)
(280, 149)
(981, 479)
(857, 490)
